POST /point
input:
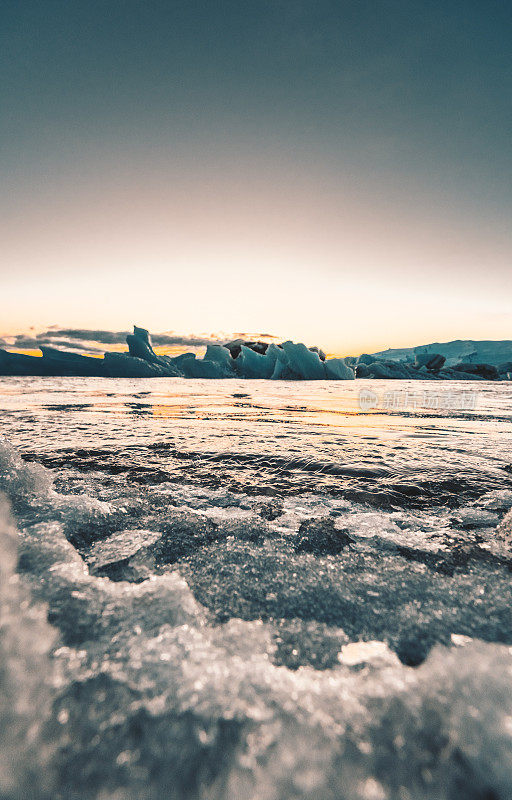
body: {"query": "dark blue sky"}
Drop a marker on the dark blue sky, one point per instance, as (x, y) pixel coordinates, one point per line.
(410, 101)
(434, 78)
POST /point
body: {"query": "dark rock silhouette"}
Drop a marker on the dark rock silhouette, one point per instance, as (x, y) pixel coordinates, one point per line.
(486, 371)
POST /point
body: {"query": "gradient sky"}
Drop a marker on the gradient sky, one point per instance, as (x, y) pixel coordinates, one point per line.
(333, 172)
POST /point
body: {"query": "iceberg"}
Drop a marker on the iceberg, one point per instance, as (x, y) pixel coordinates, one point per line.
(303, 362)
(291, 361)
(252, 364)
(458, 351)
(236, 359)
(337, 369)
(202, 368)
(119, 365)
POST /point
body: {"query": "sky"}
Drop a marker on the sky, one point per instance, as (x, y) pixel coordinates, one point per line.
(338, 173)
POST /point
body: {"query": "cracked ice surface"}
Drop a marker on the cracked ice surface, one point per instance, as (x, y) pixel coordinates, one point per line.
(167, 635)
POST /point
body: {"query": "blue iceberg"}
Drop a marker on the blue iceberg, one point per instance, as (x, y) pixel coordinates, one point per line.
(236, 359)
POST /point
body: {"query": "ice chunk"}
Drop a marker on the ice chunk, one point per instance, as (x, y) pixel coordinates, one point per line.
(217, 354)
(123, 555)
(140, 348)
(460, 640)
(120, 365)
(475, 518)
(251, 364)
(142, 334)
(356, 653)
(282, 369)
(485, 371)
(320, 536)
(504, 536)
(337, 369)
(433, 361)
(496, 500)
(24, 483)
(235, 346)
(200, 368)
(303, 362)
(26, 678)
(62, 362)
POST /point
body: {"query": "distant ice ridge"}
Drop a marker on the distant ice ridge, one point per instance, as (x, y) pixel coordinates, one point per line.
(237, 359)
(467, 351)
(459, 360)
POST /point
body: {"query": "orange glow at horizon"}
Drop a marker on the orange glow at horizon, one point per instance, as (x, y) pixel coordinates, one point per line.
(301, 256)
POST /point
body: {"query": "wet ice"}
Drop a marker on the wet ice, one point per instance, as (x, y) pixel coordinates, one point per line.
(177, 639)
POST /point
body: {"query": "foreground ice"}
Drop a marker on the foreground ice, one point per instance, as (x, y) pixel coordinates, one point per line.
(224, 660)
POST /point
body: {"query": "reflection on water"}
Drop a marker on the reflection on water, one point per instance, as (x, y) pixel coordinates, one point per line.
(256, 436)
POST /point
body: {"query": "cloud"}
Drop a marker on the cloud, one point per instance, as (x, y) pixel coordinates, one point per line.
(103, 337)
(250, 336)
(23, 342)
(160, 339)
(94, 341)
(87, 340)
(119, 337)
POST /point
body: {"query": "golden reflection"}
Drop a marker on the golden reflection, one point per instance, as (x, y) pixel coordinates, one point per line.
(336, 413)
